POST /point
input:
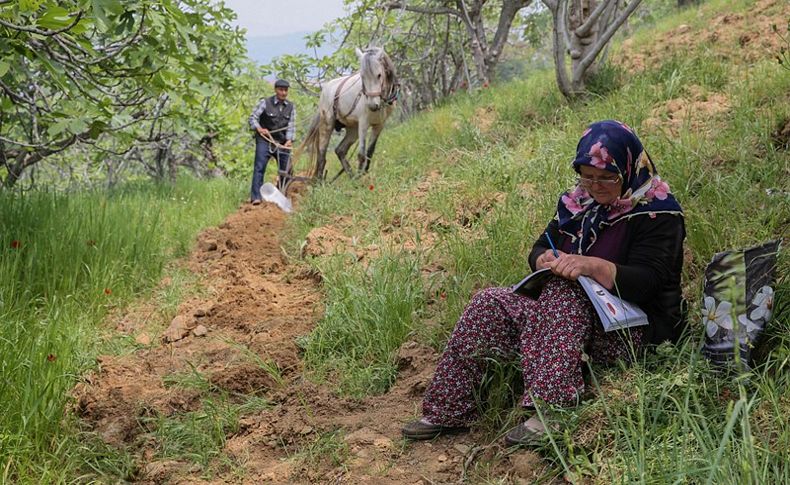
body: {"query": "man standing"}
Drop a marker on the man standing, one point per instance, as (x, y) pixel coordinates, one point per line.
(274, 123)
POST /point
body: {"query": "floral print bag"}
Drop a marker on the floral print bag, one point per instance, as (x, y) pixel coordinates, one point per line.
(737, 303)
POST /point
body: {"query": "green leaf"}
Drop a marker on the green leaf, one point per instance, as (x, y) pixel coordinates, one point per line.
(126, 23)
(29, 5)
(201, 88)
(97, 128)
(57, 128)
(85, 24)
(54, 18)
(102, 7)
(78, 125)
(4, 67)
(119, 120)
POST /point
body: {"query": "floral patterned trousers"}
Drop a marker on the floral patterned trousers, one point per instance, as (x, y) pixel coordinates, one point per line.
(549, 335)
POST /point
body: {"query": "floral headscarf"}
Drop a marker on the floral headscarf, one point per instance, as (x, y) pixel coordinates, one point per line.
(612, 146)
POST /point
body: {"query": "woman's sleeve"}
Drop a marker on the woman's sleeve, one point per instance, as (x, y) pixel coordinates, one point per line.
(542, 244)
(654, 257)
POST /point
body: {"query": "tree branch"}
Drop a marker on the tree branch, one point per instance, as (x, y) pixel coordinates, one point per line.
(559, 47)
(607, 19)
(509, 10)
(117, 47)
(584, 29)
(604, 38)
(46, 33)
(430, 11)
(477, 52)
(25, 158)
(19, 143)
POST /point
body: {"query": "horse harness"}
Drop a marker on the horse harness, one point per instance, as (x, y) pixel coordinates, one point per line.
(336, 101)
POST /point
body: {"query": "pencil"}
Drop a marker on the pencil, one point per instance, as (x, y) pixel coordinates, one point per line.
(551, 243)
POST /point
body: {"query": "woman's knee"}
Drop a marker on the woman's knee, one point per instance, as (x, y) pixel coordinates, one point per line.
(486, 296)
(565, 294)
(484, 315)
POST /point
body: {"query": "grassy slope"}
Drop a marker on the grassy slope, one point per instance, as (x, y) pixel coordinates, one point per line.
(508, 149)
(65, 261)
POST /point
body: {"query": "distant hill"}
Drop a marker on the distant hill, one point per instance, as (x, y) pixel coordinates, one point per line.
(262, 49)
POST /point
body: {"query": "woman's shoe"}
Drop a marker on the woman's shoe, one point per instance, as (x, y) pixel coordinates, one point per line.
(425, 430)
(530, 432)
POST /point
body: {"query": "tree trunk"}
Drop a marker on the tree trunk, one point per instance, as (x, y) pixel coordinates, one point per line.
(507, 14)
(207, 144)
(583, 28)
(486, 55)
(14, 172)
(172, 165)
(159, 166)
(24, 159)
(471, 20)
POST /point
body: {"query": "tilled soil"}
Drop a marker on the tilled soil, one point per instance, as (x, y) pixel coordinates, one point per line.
(246, 323)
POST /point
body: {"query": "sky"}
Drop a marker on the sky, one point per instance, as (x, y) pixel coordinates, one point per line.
(289, 15)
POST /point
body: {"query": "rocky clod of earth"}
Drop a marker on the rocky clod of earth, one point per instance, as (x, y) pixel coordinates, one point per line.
(143, 339)
(178, 329)
(207, 245)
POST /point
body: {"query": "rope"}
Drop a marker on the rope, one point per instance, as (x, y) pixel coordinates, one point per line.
(268, 137)
(294, 155)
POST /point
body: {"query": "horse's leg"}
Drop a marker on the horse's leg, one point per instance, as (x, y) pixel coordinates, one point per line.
(363, 134)
(324, 134)
(375, 131)
(342, 149)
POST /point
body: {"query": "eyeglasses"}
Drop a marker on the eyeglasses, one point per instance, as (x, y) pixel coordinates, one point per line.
(585, 182)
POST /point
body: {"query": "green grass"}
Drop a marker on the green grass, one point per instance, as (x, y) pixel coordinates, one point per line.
(372, 312)
(670, 419)
(668, 422)
(199, 436)
(327, 449)
(65, 261)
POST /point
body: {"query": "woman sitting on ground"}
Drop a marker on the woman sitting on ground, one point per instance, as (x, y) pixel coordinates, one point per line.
(619, 226)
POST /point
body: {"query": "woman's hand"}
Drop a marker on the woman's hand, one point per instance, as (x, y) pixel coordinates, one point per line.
(571, 266)
(546, 258)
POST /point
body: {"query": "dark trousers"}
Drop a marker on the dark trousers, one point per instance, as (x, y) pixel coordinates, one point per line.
(263, 151)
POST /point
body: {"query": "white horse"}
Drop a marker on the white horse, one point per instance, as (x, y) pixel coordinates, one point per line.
(341, 106)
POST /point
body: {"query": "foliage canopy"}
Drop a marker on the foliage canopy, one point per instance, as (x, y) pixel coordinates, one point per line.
(107, 73)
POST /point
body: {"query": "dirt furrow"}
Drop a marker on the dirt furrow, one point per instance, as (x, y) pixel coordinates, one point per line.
(239, 341)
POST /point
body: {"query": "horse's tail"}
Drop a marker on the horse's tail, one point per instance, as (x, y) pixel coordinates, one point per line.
(312, 141)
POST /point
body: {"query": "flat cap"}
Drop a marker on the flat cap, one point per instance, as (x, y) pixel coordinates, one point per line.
(281, 83)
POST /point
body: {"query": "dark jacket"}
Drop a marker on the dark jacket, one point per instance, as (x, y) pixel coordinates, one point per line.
(273, 114)
(275, 118)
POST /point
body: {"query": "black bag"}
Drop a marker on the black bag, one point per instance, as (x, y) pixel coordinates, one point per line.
(737, 303)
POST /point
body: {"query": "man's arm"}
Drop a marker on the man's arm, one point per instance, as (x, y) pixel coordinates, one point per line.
(256, 115)
(291, 131)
